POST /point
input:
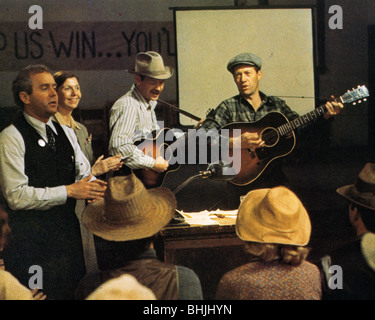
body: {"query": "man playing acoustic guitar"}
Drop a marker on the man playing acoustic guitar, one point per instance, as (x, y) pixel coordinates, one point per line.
(251, 105)
(133, 116)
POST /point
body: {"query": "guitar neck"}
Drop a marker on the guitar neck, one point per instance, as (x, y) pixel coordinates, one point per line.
(352, 96)
(302, 121)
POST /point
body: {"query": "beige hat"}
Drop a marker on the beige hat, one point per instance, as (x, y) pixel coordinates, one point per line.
(273, 216)
(151, 64)
(363, 191)
(368, 248)
(125, 287)
(129, 211)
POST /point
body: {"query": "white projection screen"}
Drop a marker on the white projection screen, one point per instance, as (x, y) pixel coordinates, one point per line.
(206, 39)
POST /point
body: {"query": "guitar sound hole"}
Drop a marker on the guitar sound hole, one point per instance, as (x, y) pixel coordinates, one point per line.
(270, 137)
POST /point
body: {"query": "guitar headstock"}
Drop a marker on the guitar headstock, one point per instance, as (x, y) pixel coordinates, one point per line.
(355, 95)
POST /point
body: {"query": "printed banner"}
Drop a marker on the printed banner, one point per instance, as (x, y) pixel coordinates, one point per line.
(83, 45)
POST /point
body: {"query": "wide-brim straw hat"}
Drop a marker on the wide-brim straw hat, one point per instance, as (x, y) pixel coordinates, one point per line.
(363, 191)
(151, 64)
(129, 211)
(273, 216)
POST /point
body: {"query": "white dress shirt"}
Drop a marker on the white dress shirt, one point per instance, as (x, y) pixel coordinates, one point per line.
(14, 183)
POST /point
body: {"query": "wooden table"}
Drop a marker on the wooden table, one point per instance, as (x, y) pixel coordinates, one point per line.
(209, 250)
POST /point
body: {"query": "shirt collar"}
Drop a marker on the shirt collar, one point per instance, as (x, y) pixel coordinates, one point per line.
(71, 123)
(38, 125)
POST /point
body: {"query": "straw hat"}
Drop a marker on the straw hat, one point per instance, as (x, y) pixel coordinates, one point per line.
(368, 248)
(151, 64)
(273, 216)
(129, 211)
(363, 191)
(125, 287)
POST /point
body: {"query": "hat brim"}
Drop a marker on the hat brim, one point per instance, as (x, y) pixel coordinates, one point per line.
(168, 73)
(350, 193)
(163, 206)
(255, 231)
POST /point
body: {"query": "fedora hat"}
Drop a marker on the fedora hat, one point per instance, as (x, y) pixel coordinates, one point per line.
(129, 211)
(151, 64)
(273, 216)
(363, 191)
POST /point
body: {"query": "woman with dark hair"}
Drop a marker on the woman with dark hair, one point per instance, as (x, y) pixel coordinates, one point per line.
(69, 96)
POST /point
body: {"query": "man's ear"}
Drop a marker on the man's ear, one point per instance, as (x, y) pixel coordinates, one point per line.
(260, 74)
(138, 79)
(24, 96)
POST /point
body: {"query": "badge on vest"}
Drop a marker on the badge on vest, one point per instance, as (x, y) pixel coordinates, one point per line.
(41, 142)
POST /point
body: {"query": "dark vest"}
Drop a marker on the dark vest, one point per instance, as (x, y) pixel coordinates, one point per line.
(48, 238)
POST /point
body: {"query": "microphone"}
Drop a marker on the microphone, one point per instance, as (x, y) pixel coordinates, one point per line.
(219, 171)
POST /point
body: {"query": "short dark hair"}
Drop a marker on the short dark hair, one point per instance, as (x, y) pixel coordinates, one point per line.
(367, 215)
(23, 81)
(61, 76)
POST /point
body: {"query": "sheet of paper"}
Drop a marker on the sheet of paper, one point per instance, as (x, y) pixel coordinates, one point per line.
(206, 217)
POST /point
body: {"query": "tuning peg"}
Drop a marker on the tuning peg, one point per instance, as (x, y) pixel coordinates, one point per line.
(354, 103)
(360, 101)
(365, 99)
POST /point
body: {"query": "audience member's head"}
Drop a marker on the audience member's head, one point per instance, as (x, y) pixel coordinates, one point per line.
(125, 287)
(361, 196)
(275, 225)
(129, 211)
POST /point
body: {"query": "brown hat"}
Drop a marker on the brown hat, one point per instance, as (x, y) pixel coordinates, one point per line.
(151, 64)
(273, 216)
(363, 191)
(129, 211)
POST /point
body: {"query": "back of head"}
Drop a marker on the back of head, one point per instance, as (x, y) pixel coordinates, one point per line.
(275, 224)
(362, 194)
(23, 81)
(125, 287)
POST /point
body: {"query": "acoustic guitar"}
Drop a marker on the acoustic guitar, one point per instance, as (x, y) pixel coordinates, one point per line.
(278, 134)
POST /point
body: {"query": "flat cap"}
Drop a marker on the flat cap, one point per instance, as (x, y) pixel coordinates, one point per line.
(244, 58)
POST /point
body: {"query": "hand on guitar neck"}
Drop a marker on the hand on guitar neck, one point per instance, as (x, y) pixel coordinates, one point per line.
(333, 108)
(161, 165)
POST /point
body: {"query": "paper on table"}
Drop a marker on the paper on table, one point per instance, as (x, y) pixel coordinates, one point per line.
(205, 217)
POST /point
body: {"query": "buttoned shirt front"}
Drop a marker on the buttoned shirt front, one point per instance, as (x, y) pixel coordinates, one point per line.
(131, 118)
(14, 183)
(238, 109)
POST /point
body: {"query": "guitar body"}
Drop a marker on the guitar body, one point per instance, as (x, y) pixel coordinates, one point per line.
(253, 163)
(155, 145)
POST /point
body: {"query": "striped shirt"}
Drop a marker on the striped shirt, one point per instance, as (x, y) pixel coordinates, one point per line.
(238, 109)
(130, 118)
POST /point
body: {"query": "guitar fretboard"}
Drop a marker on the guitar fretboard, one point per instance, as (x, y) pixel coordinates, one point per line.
(301, 121)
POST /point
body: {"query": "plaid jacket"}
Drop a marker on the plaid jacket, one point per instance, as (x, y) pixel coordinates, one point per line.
(238, 109)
